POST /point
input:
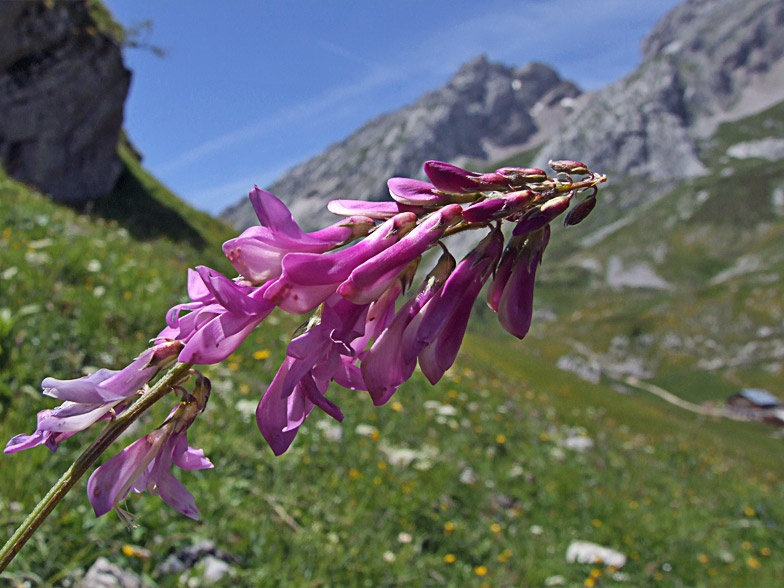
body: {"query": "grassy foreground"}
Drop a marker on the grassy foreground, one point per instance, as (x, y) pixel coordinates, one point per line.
(474, 482)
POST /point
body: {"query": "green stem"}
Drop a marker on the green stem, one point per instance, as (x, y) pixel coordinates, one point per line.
(87, 459)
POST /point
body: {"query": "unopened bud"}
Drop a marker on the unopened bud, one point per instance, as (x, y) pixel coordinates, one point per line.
(456, 180)
(577, 214)
(517, 176)
(568, 167)
(165, 354)
(495, 208)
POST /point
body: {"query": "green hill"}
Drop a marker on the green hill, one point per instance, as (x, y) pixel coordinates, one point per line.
(486, 478)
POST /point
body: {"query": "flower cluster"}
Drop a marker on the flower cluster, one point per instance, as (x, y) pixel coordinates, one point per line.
(368, 329)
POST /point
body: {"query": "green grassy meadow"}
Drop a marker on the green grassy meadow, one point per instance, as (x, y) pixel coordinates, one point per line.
(472, 482)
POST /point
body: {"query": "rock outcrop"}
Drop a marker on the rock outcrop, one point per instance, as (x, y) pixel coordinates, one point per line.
(487, 110)
(706, 62)
(62, 91)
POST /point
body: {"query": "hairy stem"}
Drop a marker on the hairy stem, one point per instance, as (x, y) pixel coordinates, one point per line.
(113, 430)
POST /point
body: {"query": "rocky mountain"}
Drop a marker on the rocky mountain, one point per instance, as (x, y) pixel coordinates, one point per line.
(706, 62)
(62, 91)
(486, 111)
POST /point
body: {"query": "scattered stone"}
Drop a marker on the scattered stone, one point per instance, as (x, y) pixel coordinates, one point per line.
(579, 443)
(585, 552)
(769, 148)
(468, 476)
(104, 574)
(205, 554)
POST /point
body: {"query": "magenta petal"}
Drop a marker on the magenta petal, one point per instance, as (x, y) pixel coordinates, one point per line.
(219, 338)
(188, 458)
(383, 367)
(234, 298)
(537, 218)
(273, 213)
(272, 413)
(348, 375)
(439, 355)
(456, 180)
(496, 208)
(376, 210)
(385, 266)
(344, 231)
(415, 192)
(83, 390)
(71, 417)
(502, 272)
(316, 396)
(515, 306)
(173, 493)
(197, 291)
(106, 483)
(169, 488)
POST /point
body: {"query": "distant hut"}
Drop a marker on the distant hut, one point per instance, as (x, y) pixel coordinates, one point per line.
(752, 399)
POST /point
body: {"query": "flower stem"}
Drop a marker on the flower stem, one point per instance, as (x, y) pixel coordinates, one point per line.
(113, 430)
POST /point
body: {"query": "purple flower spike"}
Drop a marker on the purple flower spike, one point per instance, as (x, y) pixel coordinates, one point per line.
(497, 208)
(415, 192)
(375, 210)
(515, 305)
(456, 180)
(374, 276)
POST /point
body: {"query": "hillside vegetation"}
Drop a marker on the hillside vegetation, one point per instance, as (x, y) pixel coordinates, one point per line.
(483, 480)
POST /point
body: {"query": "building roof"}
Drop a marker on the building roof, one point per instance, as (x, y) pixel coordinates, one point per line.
(759, 397)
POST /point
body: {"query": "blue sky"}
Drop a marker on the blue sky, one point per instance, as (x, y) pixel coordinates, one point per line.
(248, 89)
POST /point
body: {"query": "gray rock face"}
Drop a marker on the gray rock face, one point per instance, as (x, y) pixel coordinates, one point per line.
(706, 62)
(62, 90)
(484, 111)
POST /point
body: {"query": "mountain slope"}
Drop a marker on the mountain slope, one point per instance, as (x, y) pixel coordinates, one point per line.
(484, 111)
(706, 62)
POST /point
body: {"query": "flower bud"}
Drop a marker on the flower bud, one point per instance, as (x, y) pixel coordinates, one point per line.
(577, 214)
(415, 192)
(374, 210)
(495, 208)
(518, 176)
(569, 167)
(539, 217)
(456, 180)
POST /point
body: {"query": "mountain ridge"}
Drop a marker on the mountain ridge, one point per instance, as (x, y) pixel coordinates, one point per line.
(485, 109)
(647, 124)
